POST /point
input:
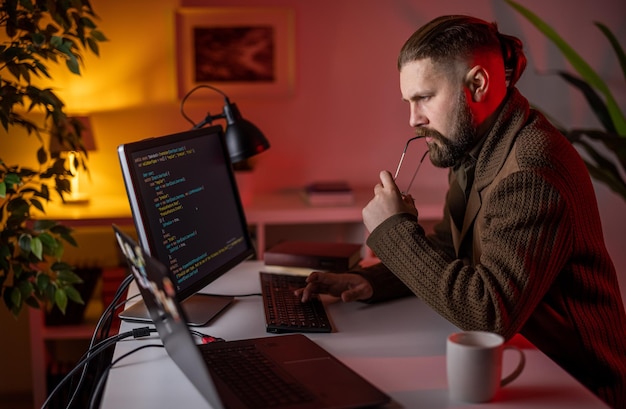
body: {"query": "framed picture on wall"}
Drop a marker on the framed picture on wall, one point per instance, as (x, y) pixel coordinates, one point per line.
(242, 51)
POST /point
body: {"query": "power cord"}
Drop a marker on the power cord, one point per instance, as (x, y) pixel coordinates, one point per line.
(182, 102)
(102, 331)
(95, 397)
(204, 338)
(105, 321)
(94, 352)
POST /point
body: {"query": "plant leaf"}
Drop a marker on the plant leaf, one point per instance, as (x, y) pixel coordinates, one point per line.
(43, 281)
(37, 247)
(48, 242)
(597, 105)
(42, 156)
(32, 302)
(26, 289)
(607, 178)
(12, 179)
(73, 65)
(598, 158)
(16, 298)
(60, 298)
(616, 46)
(69, 277)
(614, 143)
(24, 243)
(43, 224)
(74, 295)
(603, 170)
(580, 65)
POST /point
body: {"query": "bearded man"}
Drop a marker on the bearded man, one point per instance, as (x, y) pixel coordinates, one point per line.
(520, 248)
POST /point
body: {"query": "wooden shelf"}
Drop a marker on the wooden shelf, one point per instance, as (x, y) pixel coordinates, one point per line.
(99, 211)
(56, 332)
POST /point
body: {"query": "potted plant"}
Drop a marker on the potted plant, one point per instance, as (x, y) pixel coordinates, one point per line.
(605, 148)
(37, 33)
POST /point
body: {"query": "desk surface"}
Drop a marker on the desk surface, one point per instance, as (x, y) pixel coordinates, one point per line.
(399, 346)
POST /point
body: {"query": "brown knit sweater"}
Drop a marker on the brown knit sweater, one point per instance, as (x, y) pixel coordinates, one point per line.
(532, 259)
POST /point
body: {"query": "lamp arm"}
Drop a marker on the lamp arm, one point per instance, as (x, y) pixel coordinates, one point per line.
(243, 138)
(208, 120)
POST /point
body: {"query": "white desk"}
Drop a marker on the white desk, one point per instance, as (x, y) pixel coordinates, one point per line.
(398, 346)
(267, 214)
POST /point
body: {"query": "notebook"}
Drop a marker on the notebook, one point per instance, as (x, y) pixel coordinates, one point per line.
(308, 371)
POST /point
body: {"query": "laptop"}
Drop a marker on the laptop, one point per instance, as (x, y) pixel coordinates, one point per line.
(307, 375)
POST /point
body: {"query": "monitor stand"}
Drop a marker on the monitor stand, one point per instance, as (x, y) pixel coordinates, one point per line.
(199, 309)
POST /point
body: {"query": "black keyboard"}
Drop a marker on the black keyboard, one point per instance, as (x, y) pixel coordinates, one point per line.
(256, 380)
(284, 312)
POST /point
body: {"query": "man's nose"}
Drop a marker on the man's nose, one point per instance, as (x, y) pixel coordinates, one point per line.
(417, 118)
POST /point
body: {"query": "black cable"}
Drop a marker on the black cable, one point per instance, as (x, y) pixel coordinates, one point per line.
(95, 396)
(103, 327)
(106, 328)
(182, 102)
(105, 316)
(94, 352)
(206, 339)
(132, 297)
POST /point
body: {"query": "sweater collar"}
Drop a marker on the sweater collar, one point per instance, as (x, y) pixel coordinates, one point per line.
(499, 140)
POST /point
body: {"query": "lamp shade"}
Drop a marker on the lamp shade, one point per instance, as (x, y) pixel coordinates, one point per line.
(243, 138)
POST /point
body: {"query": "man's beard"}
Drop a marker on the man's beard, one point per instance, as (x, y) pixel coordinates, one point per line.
(449, 150)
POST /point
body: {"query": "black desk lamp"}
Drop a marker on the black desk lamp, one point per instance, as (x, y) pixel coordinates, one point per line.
(243, 138)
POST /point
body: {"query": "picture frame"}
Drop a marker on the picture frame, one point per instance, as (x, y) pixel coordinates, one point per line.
(243, 51)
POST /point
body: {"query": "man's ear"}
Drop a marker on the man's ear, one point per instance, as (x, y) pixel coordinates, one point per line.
(477, 82)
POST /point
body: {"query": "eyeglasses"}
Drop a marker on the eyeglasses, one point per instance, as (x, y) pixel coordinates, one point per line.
(419, 165)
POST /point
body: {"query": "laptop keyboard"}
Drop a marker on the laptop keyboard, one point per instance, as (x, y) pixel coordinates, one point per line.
(284, 312)
(236, 365)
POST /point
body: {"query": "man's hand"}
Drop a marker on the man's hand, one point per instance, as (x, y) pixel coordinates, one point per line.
(348, 286)
(387, 201)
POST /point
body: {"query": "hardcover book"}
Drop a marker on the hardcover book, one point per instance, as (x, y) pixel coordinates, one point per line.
(322, 256)
(330, 193)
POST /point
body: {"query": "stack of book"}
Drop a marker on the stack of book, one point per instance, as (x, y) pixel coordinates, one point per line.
(307, 256)
(331, 193)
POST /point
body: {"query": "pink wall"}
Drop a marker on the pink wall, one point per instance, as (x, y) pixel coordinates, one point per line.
(345, 119)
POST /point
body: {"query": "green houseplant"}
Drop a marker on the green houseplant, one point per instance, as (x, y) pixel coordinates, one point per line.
(605, 148)
(35, 34)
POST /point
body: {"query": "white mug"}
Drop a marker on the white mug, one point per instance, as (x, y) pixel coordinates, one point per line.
(474, 365)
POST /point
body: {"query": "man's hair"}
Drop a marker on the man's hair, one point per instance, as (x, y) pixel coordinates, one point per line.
(449, 38)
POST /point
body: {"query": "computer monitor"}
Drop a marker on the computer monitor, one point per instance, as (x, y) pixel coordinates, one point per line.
(188, 214)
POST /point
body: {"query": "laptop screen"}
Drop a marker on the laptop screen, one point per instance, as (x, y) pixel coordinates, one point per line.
(186, 206)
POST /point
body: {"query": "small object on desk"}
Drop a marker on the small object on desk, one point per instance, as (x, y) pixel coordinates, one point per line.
(284, 312)
(474, 365)
(324, 256)
(332, 193)
(296, 271)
